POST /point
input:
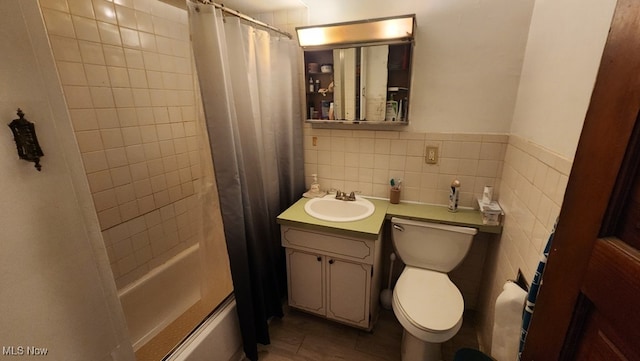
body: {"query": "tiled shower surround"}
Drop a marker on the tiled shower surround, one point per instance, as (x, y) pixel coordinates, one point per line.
(364, 161)
(127, 75)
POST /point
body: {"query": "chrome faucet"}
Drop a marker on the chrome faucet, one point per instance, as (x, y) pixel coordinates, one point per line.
(344, 197)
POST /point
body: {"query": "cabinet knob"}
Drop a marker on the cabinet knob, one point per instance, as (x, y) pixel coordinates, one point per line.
(331, 261)
(319, 258)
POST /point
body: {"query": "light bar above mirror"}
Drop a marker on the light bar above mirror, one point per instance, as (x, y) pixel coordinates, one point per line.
(389, 30)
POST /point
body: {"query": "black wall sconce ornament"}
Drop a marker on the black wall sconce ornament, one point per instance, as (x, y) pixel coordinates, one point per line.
(24, 133)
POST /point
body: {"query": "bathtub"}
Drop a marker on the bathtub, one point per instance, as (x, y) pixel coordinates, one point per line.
(217, 339)
(158, 298)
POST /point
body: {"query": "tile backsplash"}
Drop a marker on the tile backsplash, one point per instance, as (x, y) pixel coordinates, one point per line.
(364, 161)
(127, 75)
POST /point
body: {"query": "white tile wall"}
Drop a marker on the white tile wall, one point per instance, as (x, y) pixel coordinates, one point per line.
(365, 161)
(145, 242)
(126, 70)
(285, 20)
(531, 193)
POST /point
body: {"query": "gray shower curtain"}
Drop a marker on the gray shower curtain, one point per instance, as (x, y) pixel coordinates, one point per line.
(249, 86)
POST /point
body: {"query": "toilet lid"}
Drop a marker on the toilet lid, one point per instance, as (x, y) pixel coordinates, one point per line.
(429, 299)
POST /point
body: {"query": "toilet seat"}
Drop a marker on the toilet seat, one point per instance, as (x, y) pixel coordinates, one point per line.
(428, 304)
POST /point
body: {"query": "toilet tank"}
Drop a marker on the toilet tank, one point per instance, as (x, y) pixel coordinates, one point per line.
(438, 247)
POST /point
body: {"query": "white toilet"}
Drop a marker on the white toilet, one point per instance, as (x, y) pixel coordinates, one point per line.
(425, 301)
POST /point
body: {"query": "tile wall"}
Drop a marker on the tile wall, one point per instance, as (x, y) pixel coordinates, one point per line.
(286, 20)
(365, 161)
(531, 193)
(127, 75)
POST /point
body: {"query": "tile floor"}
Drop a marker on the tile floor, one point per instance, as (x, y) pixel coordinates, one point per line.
(301, 336)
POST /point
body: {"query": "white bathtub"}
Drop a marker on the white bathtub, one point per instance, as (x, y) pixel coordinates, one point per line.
(162, 295)
(217, 339)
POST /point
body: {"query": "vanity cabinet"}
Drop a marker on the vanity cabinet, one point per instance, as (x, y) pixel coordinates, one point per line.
(348, 292)
(305, 280)
(333, 276)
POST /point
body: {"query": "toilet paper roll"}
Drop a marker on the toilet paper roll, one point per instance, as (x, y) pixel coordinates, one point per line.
(507, 322)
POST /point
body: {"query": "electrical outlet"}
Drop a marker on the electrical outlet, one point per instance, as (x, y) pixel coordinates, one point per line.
(431, 154)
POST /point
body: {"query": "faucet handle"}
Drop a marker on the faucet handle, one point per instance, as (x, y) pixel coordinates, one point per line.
(352, 196)
(339, 194)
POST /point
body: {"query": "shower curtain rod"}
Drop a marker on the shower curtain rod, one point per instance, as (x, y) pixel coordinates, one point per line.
(245, 17)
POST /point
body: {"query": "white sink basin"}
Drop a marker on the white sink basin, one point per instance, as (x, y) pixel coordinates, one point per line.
(334, 210)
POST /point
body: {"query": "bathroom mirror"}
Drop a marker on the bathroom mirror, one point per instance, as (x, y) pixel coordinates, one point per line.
(358, 72)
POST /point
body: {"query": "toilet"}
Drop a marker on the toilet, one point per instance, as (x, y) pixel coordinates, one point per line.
(425, 301)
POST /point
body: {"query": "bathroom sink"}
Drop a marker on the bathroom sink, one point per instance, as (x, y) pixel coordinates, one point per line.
(334, 210)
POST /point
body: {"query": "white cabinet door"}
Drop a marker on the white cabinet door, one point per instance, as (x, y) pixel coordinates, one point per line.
(348, 291)
(306, 282)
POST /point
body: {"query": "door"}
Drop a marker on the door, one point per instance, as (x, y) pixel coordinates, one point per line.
(348, 292)
(588, 304)
(306, 281)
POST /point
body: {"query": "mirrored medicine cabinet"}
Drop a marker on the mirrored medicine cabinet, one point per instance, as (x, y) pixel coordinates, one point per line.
(358, 73)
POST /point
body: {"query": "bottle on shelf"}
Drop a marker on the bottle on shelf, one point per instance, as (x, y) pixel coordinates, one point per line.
(317, 89)
(454, 195)
(311, 86)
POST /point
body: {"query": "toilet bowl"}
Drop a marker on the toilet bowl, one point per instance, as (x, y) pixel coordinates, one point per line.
(425, 301)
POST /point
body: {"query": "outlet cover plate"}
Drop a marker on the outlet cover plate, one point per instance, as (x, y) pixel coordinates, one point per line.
(431, 155)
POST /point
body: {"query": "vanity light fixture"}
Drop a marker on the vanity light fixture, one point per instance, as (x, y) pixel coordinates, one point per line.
(389, 30)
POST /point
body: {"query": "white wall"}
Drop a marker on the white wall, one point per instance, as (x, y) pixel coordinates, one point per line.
(56, 290)
(561, 60)
(563, 53)
(467, 60)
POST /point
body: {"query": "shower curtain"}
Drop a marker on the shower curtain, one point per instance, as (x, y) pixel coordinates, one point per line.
(249, 86)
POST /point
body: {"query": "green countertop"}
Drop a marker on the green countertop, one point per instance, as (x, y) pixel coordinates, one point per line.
(441, 214)
(369, 227)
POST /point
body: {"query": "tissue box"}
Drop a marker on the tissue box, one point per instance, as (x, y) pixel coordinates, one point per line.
(491, 213)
